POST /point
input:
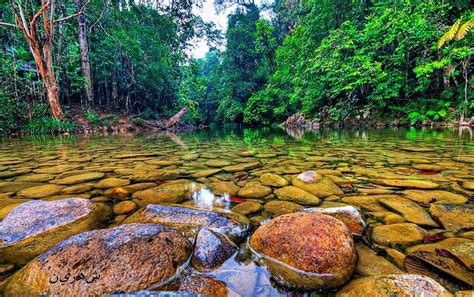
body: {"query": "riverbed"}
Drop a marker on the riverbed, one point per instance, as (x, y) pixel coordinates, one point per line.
(412, 188)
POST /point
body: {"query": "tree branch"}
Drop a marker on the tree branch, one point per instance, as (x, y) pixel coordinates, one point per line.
(81, 11)
(36, 16)
(68, 17)
(9, 25)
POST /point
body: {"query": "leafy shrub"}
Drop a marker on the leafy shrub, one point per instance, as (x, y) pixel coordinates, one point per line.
(93, 119)
(435, 113)
(137, 121)
(48, 125)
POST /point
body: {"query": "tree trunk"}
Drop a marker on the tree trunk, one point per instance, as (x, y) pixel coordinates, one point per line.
(84, 48)
(174, 119)
(43, 55)
(114, 90)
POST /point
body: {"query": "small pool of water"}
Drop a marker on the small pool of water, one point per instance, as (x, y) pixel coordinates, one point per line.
(396, 164)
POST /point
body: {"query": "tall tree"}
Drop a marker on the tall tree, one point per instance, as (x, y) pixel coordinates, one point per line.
(84, 47)
(40, 42)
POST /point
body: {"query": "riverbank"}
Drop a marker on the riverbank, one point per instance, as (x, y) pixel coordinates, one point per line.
(79, 122)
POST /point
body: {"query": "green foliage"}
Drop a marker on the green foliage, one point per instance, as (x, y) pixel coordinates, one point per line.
(93, 119)
(432, 112)
(328, 59)
(137, 121)
(48, 125)
(345, 56)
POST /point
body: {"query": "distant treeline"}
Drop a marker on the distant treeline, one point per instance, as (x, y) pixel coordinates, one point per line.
(328, 59)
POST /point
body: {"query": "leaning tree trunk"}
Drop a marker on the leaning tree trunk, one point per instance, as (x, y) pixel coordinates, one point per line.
(174, 119)
(84, 48)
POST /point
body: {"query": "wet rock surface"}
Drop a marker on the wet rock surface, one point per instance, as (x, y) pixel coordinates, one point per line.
(370, 263)
(349, 215)
(172, 192)
(211, 249)
(35, 226)
(189, 219)
(403, 234)
(316, 184)
(297, 195)
(394, 285)
(127, 258)
(319, 250)
(255, 189)
(203, 285)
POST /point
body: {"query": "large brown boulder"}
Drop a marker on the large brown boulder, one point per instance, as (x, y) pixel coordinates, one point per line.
(35, 226)
(190, 220)
(306, 250)
(393, 285)
(127, 258)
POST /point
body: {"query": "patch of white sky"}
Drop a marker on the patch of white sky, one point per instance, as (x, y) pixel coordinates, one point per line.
(208, 13)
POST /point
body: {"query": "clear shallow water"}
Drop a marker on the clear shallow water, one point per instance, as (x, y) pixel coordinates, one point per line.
(360, 162)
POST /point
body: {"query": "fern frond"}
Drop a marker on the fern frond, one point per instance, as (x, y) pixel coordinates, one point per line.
(448, 36)
(464, 28)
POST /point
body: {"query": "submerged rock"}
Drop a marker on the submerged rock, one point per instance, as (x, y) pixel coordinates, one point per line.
(170, 192)
(211, 249)
(203, 285)
(318, 185)
(410, 210)
(468, 185)
(407, 183)
(370, 263)
(6, 187)
(349, 215)
(112, 182)
(189, 220)
(306, 250)
(40, 191)
(80, 178)
(224, 187)
(35, 226)
(77, 189)
(35, 177)
(454, 217)
(273, 180)
(206, 173)
(124, 207)
(426, 197)
(247, 208)
(404, 234)
(127, 258)
(242, 167)
(255, 189)
(297, 195)
(124, 192)
(278, 208)
(56, 169)
(394, 285)
(217, 163)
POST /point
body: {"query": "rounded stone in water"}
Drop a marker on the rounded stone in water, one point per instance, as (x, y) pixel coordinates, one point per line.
(127, 258)
(306, 250)
(35, 226)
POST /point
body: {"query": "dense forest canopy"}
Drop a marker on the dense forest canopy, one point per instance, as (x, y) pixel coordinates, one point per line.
(334, 60)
